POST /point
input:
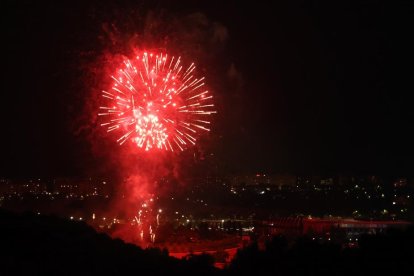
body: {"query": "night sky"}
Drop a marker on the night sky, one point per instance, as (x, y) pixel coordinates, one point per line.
(301, 87)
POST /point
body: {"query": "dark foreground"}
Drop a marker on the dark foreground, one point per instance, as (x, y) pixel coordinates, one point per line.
(43, 245)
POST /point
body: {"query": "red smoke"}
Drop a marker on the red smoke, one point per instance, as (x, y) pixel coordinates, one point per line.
(136, 172)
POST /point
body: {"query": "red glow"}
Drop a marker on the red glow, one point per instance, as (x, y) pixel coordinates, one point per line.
(152, 104)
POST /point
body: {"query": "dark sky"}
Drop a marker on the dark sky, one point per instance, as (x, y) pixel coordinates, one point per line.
(303, 87)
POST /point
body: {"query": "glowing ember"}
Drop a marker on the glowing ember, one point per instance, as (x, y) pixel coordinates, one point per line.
(145, 223)
(157, 104)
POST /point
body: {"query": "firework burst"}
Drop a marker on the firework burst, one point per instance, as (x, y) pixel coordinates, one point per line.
(156, 103)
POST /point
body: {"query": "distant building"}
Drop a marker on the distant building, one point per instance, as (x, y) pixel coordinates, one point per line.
(262, 179)
(327, 228)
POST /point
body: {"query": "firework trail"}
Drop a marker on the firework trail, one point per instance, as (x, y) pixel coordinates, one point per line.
(144, 219)
(156, 103)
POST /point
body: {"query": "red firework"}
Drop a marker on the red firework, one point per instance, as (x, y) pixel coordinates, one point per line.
(156, 103)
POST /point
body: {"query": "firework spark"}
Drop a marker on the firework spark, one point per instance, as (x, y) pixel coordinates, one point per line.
(144, 220)
(157, 104)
